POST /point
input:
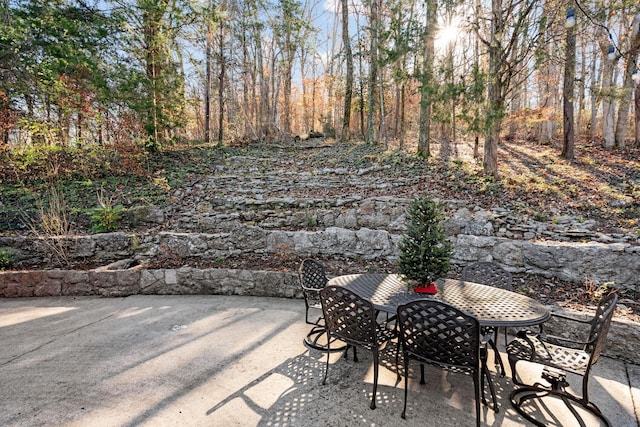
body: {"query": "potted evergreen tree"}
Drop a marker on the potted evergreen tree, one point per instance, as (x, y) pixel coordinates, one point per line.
(425, 250)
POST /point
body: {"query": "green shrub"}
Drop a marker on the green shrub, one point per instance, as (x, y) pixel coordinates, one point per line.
(6, 258)
(107, 217)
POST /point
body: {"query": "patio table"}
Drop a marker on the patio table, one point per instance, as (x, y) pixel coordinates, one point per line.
(493, 307)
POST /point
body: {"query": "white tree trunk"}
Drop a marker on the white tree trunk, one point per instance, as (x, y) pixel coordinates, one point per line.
(608, 107)
(625, 100)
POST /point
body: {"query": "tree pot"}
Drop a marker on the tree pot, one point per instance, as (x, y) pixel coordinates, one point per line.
(426, 288)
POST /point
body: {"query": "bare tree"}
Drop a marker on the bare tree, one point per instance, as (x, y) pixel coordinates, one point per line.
(607, 93)
(637, 107)
(374, 28)
(511, 24)
(627, 90)
(345, 134)
(427, 79)
(568, 90)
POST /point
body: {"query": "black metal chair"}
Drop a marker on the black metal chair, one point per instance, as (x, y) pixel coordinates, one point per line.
(352, 319)
(562, 355)
(312, 278)
(436, 333)
(491, 274)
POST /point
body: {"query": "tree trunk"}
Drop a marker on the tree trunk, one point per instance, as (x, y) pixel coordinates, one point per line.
(313, 100)
(361, 103)
(637, 105)
(345, 134)
(373, 73)
(273, 93)
(494, 94)
(490, 162)
(286, 105)
(608, 109)
(546, 88)
(625, 100)
(248, 81)
(221, 84)
(263, 105)
(383, 114)
(516, 104)
(303, 83)
(624, 104)
(594, 98)
(567, 95)
(207, 84)
(580, 96)
(454, 97)
(156, 60)
(401, 131)
(424, 136)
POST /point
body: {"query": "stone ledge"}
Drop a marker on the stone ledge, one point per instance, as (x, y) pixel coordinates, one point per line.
(119, 283)
(613, 263)
(623, 339)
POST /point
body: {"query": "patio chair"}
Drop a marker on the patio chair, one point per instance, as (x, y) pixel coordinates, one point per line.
(439, 334)
(562, 355)
(491, 274)
(352, 319)
(312, 278)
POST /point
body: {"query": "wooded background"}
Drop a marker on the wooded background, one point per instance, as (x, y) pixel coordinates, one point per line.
(148, 73)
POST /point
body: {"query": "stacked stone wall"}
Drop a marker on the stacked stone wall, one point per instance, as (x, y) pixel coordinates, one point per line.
(614, 263)
(623, 337)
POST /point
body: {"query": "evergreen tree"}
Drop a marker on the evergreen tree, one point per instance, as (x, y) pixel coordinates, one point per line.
(424, 248)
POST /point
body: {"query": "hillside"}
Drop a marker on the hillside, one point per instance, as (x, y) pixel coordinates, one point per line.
(258, 184)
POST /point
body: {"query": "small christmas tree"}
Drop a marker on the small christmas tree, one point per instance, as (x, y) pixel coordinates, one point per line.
(424, 248)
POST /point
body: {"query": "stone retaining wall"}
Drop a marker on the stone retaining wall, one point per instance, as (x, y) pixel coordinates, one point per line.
(616, 263)
(205, 214)
(623, 338)
(120, 283)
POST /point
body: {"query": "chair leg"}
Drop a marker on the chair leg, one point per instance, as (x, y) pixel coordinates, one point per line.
(398, 378)
(496, 355)
(585, 386)
(526, 393)
(422, 373)
(514, 375)
(483, 369)
(506, 339)
(375, 377)
(476, 387)
(326, 369)
(485, 372)
(406, 386)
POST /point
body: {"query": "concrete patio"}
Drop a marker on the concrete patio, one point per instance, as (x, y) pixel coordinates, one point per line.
(230, 361)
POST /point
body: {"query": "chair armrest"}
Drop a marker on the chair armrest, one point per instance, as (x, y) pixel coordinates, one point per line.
(306, 288)
(575, 343)
(545, 338)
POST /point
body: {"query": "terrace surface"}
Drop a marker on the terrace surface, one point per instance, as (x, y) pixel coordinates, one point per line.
(229, 360)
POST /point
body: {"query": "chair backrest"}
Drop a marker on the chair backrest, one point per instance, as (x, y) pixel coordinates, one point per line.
(600, 325)
(488, 273)
(348, 316)
(312, 274)
(437, 333)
